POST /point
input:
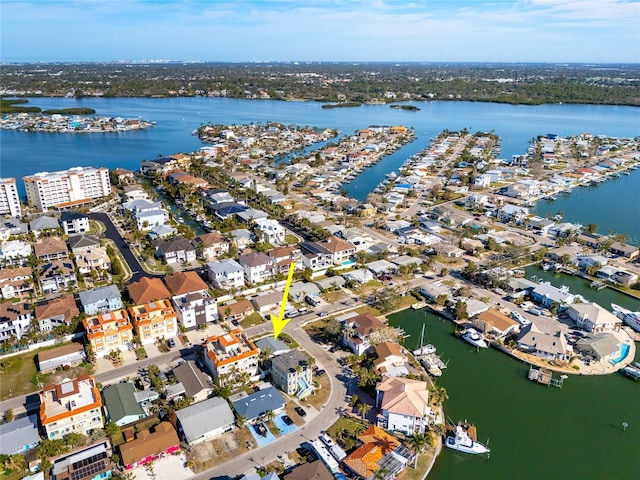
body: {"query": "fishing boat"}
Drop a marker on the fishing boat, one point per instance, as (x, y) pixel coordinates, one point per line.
(627, 316)
(462, 441)
(631, 372)
(475, 338)
(431, 366)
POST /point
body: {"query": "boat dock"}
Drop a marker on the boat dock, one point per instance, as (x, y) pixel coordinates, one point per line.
(598, 285)
(419, 305)
(544, 376)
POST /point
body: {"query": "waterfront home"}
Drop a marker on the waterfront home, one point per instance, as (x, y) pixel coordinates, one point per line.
(474, 307)
(135, 192)
(56, 312)
(204, 420)
(225, 274)
(93, 461)
(585, 262)
(19, 435)
(50, 248)
(564, 230)
(432, 291)
(546, 294)
(496, 323)
(14, 282)
(255, 405)
(74, 223)
(226, 210)
(390, 360)
(177, 250)
(512, 213)
(235, 310)
(543, 345)
(258, 267)
(623, 277)
(147, 290)
(154, 320)
(210, 246)
(162, 165)
(109, 331)
(149, 446)
(120, 404)
(624, 250)
(124, 176)
(291, 373)
(600, 346)
(231, 353)
(57, 275)
(161, 231)
(70, 406)
(380, 453)
(403, 405)
(43, 224)
(101, 299)
(593, 318)
(66, 356)
(147, 214)
(539, 225)
(358, 330)
(196, 383)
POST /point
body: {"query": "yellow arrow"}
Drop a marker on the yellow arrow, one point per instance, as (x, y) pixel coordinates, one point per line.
(279, 322)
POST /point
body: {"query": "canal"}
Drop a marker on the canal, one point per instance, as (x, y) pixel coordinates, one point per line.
(534, 432)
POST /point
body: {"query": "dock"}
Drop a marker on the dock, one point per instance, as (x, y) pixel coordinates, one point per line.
(598, 285)
(544, 376)
(419, 305)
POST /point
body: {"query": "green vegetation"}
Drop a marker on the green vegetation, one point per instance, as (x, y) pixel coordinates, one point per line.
(341, 105)
(70, 111)
(17, 106)
(406, 107)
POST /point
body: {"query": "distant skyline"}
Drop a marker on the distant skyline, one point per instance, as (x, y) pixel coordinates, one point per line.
(563, 31)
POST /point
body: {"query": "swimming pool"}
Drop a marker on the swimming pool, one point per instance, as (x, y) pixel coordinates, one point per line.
(624, 351)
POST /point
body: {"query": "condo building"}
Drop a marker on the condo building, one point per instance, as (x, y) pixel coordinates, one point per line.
(66, 188)
(9, 200)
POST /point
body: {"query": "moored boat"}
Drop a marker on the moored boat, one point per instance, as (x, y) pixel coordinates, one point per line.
(462, 441)
(627, 316)
(475, 338)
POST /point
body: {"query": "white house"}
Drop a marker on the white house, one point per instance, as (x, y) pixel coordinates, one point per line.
(225, 274)
(270, 231)
(257, 267)
(594, 318)
(404, 405)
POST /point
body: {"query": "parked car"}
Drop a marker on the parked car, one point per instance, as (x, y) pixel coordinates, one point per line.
(171, 342)
(300, 411)
(291, 314)
(324, 313)
(320, 373)
(287, 420)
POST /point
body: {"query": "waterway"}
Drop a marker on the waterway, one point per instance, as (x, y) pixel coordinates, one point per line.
(534, 432)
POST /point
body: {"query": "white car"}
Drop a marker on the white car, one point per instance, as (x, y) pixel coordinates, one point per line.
(521, 319)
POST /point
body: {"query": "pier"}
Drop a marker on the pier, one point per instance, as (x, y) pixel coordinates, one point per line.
(544, 376)
(598, 285)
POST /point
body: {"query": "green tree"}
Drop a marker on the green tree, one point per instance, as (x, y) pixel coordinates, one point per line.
(364, 408)
(8, 415)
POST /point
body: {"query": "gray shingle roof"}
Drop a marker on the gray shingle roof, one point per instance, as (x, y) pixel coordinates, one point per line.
(193, 380)
(254, 405)
(89, 297)
(15, 435)
(289, 361)
(201, 418)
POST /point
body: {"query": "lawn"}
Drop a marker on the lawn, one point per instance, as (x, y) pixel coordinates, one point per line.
(320, 395)
(18, 374)
(351, 426)
(251, 320)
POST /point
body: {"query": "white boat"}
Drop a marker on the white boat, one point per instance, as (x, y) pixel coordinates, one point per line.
(475, 338)
(425, 350)
(462, 442)
(431, 367)
(627, 316)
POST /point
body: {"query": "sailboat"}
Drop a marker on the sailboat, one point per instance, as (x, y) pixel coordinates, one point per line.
(424, 349)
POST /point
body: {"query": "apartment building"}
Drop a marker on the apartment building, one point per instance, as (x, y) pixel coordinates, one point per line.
(154, 320)
(9, 199)
(66, 188)
(231, 353)
(109, 331)
(72, 406)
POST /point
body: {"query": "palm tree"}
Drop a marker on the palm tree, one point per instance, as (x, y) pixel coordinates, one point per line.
(380, 474)
(364, 408)
(417, 443)
(241, 421)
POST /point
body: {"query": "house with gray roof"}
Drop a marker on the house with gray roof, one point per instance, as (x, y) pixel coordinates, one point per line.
(176, 250)
(405, 260)
(241, 237)
(195, 382)
(299, 290)
(161, 231)
(330, 283)
(273, 345)
(255, 405)
(83, 243)
(225, 274)
(267, 302)
(546, 294)
(379, 267)
(121, 405)
(361, 275)
(20, 435)
(101, 299)
(251, 215)
(205, 420)
(601, 346)
(43, 223)
(543, 345)
(291, 373)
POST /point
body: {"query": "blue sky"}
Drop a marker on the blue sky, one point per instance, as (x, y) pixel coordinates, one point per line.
(321, 30)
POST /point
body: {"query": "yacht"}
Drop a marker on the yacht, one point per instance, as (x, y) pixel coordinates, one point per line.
(425, 350)
(475, 338)
(462, 442)
(627, 316)
(431, 366)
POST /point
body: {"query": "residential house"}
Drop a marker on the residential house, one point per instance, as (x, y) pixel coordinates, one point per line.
(92, 462)
(593, 318)
(43, 224)
(543, 345)
(161, 231)
(204, 420)
(432, 291)
(124, 176)
(101, 299)
(15, 282)
(390, 359)
(341, 251)
(403, 405)
(134, 192)
(299, 290)
(147, 290)
(258, 267)
(624, 277)
(270, 231)
(235, 311)
(225, 274)
(121, 405)
(624, 250)
(176, 250)
(495, 322)
(315, 470)
(15, 319)
(255, 405)
(83, 243)
(284, 256)
(15, 252)
(361, 275)
(12, 226)
(241, 238)
(272, 346)
(291, 373)
(161, 165)
(546, 295)
(56, 312)
(196, 383)
(109, 331)
(50, 248)
(93, 259)
(600, 346)
(267, 302)
(316, 256)
(149, 445)
(366, 210)
(72, 406)
(191, 299)
(74, 223)
(512, 213)
(57, 275)
(211, 245)
(358, 332)
(70, 355)
(365, 460)
(147, 214)
(231, 354)
(20, 435)
(154, 320)
(330, 283)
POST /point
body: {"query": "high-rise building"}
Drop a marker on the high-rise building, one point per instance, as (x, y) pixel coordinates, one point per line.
(66, 188)
(9, 200)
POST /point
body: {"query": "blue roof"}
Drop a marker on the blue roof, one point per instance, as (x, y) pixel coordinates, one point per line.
(256, 404)
(19, 435)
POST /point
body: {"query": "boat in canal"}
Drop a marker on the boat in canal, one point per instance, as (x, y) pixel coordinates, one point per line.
(423, 349)
(475, 338)
(463, 441)
(627, 316)
(431, 366)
